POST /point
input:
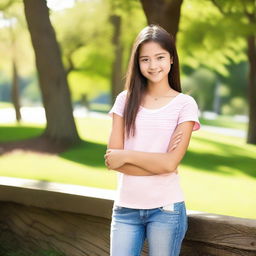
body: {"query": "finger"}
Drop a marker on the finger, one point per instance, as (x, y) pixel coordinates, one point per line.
(107, 153)
(107, 163)
(172, 148)
(106, 156)
(175, 144)
(176, 141)
(178, 135)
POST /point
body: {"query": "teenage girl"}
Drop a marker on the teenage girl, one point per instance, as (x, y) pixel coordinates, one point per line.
(152, 125)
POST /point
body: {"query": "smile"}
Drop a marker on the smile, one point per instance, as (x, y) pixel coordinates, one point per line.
(154, 73)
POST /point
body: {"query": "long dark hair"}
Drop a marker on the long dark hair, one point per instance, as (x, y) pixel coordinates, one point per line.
(136, 83)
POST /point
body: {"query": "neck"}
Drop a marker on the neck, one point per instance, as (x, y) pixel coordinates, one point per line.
(158, 89)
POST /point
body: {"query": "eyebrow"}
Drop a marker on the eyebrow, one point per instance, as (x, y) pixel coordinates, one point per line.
(155, 54)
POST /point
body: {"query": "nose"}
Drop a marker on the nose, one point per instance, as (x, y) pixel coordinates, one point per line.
(152, 65)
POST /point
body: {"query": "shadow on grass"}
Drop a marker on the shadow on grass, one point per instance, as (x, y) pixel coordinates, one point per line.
(87, 153)
(233, 157)
(28, 138)
(92, 154)
(14, 133)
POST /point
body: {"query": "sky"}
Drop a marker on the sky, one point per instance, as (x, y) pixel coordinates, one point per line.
(58, 5)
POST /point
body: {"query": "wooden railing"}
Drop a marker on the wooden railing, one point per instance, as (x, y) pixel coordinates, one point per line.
(75, 220)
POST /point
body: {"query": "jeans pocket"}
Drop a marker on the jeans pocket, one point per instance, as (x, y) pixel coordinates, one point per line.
(170, 209)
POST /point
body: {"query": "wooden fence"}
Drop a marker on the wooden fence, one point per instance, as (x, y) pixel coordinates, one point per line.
(75, 221)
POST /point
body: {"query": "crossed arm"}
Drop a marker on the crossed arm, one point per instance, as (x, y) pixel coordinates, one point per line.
(144, 163)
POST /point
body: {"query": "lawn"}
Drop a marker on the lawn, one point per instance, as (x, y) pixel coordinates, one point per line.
(218, 173)
(5, 104)
(225, 121)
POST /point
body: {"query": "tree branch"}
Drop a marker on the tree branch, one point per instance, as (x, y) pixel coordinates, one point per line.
(216, 4)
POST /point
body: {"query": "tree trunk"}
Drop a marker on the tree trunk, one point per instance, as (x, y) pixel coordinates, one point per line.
(165, 13)
(116, 79)
(52, 77)
(15, 91)
(251, 137)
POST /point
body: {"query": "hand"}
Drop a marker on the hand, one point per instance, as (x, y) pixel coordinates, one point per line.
(174, 141)
(114, 158)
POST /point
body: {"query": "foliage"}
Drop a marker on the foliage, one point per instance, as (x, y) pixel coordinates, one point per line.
(211, 49)
(15, 46)
(15, 41)
(201, 84)
(86, 46)
(209, 39)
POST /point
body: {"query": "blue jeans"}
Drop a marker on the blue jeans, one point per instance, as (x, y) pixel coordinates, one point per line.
(163, 229)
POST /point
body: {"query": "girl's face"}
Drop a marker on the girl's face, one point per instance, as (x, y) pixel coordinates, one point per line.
(155, 62)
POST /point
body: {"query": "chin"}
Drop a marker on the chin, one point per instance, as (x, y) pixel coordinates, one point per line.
(155, 81)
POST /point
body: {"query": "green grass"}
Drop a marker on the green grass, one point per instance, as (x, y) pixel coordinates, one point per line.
(82, 165)
(100, 107)
(5, 104)
(218, 173)
(224, 121)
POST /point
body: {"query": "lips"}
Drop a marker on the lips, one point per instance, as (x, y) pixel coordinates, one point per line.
(154, 73)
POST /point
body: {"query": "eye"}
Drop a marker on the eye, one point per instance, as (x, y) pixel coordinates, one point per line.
(160, 57)
(144, 60)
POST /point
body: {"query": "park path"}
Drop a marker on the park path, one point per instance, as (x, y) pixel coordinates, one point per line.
(37, 115)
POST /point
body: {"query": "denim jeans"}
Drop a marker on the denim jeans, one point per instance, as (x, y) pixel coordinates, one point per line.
(163, 228)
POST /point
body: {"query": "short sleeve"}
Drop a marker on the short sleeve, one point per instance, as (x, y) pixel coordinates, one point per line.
(118, 107)
(190, 112)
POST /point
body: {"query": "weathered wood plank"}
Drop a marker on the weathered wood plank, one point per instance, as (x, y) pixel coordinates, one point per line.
(222, 230)
(51, 217)
(195, 248)
(70, 233)
(64, 197)
(48, 229)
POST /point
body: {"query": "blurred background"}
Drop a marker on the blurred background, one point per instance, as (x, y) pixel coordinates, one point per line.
(62, 63)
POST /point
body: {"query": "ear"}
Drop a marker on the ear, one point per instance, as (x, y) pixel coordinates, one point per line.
(171, 60)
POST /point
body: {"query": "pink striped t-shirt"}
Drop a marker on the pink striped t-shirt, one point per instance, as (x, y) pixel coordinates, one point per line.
(154, 128)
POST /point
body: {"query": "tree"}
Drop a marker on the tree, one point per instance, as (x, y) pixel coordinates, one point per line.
(243, 13)
(10, 17)
(52, 76)
(116, 77)
(166, 13)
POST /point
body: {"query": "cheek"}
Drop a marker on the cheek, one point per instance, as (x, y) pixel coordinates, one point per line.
(167, 66)
(143, 67)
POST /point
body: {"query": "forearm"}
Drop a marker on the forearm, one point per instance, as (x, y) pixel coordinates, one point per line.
(157, 163)
(133, 170)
